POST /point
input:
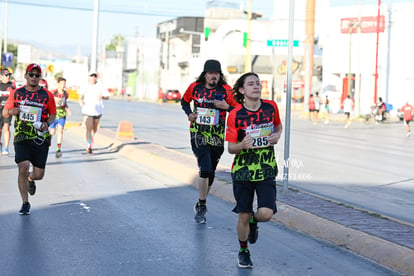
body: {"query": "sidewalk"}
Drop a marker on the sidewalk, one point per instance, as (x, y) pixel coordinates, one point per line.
(383, 240)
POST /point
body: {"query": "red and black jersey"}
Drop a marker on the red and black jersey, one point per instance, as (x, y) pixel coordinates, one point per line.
(210, 121)
(34, 107)
(259, 163)
(5, 89)
(61, 101)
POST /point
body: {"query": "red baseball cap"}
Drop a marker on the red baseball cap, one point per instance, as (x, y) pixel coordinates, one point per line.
(33, 66)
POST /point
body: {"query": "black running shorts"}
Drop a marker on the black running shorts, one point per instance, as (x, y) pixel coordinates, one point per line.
(244, 194)
(34, 151)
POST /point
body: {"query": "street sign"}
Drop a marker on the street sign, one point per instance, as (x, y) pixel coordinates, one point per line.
(7, 59)
(281, 43)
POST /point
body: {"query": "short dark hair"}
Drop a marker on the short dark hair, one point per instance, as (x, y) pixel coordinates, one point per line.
(61, 79)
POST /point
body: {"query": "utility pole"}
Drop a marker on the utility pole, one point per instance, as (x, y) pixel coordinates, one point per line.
(4, 30)
(376, 54)
(247, 60)
(351, 29)
(309, 49)
(95, 36)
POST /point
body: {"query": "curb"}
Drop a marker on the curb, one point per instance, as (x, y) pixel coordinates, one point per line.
(155, 157)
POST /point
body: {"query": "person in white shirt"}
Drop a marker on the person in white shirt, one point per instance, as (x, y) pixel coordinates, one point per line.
(90, 100)
(348, 107)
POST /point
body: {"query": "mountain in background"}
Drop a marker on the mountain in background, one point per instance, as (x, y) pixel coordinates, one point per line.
(57, 52)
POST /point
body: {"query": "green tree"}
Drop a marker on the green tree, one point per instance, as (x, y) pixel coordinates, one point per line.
(117, 40)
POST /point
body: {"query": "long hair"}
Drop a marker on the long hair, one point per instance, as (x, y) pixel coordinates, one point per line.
(202, 79)
(239, 97)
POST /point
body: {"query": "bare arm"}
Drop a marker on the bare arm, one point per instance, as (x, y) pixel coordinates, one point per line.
(246, 143)
(10, 112)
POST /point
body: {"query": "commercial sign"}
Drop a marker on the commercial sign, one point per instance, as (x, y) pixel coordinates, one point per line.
(368, 24)
(281, 43)
(296, 84)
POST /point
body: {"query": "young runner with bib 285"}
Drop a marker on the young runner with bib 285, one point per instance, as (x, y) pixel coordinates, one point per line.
(253, 128)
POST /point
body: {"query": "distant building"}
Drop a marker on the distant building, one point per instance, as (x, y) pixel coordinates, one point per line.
(349, 41)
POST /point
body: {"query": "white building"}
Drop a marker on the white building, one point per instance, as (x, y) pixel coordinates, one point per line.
(355, 52)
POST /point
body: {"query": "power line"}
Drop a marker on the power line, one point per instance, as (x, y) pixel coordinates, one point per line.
(86, 9)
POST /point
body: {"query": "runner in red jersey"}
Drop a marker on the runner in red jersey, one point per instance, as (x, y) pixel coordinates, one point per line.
(212, 98)
(6, 86)
(62, 109)
(252, 130)
(34, 110)
(408, 110)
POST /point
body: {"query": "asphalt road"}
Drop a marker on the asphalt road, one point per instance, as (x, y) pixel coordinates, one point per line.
(365, 166)
(102, 214)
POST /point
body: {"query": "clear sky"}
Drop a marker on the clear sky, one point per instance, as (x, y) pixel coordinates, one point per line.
(57, 24)
(54, 23)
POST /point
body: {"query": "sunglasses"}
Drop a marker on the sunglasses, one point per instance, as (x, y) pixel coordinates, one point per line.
(34, 75)
(93, 75)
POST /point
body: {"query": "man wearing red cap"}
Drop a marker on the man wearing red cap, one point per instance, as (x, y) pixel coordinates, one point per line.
(212, 98)
(6, 86)
(34, 110)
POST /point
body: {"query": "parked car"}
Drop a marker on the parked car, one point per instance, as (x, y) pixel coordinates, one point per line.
(172, 95)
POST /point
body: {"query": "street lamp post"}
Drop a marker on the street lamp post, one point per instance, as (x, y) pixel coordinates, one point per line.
(351, 29)
(376, 55)
(247, 60)
(4, 31)
(95, 35)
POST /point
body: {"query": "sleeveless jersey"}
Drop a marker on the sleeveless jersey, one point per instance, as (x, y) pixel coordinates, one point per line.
(258, 163)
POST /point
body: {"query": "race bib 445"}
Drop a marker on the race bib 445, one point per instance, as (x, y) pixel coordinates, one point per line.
(30, 113)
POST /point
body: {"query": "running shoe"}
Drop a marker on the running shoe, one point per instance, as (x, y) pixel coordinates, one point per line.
(253, 232)
(32, 187)
(89, 150)
(200, 213)
(5, 151)
(58, 153)
(25, 210)
(244, 259)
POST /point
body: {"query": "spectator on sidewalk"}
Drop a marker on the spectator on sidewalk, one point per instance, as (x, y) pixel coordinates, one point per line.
(348, 107)
(317, 102)
(327, 110)
(311, 106)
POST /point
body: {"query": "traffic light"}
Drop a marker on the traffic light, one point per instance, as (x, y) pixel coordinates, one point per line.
(319, 70)
(245, 38)
(206, 33)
